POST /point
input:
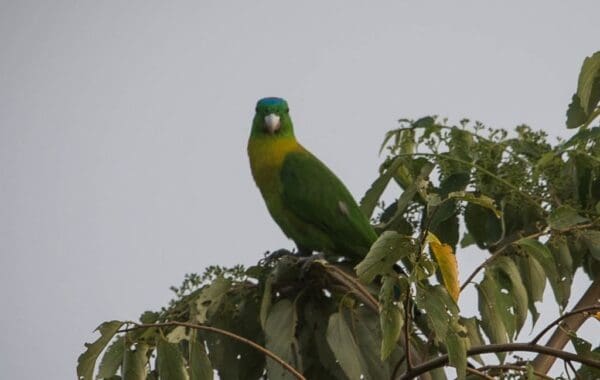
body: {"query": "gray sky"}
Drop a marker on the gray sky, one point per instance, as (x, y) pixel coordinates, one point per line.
(123, 129)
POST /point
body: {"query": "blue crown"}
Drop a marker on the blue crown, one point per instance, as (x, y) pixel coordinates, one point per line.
(271, 101)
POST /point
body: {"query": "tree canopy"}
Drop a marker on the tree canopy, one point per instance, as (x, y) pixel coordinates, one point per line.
(527, 208)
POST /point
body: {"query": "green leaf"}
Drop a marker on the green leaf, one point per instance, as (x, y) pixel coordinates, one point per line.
(467, 240)
(390, 317)
(564, 217)
(591, 239)
(344, 347)
(576, 115)
(169, 361)
(209, 299)
(474, 337)
(492, 320)
(367, 333)
(483, 225)
(87, 360)
(517, 290)
(477, 199)
(564, 266)
(534, 279)
(384, 253)
(200, 366)
(134, 362)
(543, 255)
(457, 349)
(112, 359)
(410, 192)
(439, 309)
(371, 197)
(588, 87)
(585, 101)
(280, 331)
(265, 304)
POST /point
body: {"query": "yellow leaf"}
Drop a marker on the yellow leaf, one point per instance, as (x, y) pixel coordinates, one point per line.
(447, 263)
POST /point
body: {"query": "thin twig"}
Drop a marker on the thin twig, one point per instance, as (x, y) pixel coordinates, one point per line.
(407, 330)
(442, 360)
(479, 373)
(513, 367)
(258, 347)
(357, 287)
(568, 363)
(559, 319)
(561, 336)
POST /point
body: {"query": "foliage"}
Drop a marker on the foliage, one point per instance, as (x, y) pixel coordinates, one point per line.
(530, 207)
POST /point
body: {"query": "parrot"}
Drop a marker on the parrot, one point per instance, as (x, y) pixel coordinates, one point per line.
(304, 197)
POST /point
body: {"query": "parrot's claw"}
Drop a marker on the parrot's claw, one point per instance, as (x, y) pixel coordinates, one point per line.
(307, 261)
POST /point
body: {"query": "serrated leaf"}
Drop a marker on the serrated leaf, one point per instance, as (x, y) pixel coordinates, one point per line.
(474, 337)
(209, 299)
(517, 290)
(534, 280)
(457, 350)
(439, 308)
(542, 254)
(344, 347)
(565, 217)
(591, 239)
(87, 360)
(467, 240)
(112, 359)
(280, 330)
(576, 115)
(447, 264)
(587, 85)
(371, 197)
(390, 317)
(491, 319)
(178, 334)
(483, 225)
(409, 193)
(367, 333)
(134, 362)
(477, 199)
(200, 366)
(169, 361)
(384, 253)
(564, 266)
(265, 304)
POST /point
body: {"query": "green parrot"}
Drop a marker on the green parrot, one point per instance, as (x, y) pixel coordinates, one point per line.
(310, 204)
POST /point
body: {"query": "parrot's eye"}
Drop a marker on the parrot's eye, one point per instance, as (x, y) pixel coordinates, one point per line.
(287, 110)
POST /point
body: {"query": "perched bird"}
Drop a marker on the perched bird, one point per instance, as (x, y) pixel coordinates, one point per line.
(310, 204)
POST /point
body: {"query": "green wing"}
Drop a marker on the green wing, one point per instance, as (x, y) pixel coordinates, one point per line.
(314, 195)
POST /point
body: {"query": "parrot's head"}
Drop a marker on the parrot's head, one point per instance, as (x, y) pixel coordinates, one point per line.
(272, 119)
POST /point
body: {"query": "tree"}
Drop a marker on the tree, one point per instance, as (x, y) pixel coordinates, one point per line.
(532, 210)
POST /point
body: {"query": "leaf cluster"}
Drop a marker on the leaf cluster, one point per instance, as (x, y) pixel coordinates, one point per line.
(528, 209)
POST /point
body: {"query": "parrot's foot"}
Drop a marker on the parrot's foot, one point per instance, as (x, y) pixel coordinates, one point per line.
(306, 261)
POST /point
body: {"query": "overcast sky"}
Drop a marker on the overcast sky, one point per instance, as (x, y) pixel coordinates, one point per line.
(123, 129)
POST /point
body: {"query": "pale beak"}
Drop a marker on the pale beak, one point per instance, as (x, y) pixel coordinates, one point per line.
(272, 123)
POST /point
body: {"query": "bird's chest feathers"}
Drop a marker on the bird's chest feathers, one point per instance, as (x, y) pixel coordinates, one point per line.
(266, 160)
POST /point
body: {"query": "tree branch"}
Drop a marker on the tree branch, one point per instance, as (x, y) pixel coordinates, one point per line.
(560, 337)
(258, 347)
(564, 316)
(441, 361)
